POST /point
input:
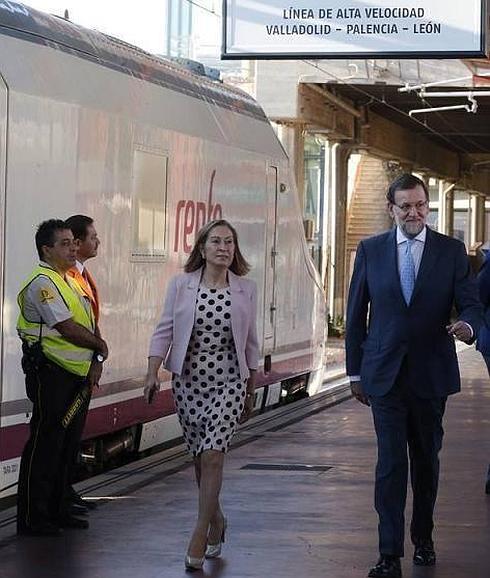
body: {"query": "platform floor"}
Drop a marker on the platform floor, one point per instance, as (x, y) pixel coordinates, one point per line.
(284, 523)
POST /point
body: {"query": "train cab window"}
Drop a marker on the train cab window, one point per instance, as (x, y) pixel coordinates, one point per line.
(149, 206)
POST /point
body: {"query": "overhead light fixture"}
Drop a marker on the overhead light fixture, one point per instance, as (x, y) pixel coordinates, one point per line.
(471, 107)
(463, 93)
(422, 87)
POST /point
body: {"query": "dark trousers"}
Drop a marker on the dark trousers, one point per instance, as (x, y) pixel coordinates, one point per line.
(50, 448)
(487, 485)
(70, 492)
(402, 419)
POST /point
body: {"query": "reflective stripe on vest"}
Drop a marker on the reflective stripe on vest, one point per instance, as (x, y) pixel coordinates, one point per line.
(71, 357)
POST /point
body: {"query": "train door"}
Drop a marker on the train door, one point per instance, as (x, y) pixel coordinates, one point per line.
(3, 169)
(270, 262)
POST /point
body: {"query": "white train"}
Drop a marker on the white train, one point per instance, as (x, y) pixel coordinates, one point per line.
(89, 124)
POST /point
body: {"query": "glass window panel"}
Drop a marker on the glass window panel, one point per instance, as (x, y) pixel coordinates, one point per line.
(461, 197)
(433, 190)
(461, 225)
(314, 176)
(433, 219)
(149, 205)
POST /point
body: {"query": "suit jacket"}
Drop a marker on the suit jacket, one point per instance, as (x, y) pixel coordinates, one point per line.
(382, 330)
(483, 343)
(87, 283)
(173, 332)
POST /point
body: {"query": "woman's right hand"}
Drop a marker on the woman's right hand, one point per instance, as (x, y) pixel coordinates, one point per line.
(247, 408)
(152, 385)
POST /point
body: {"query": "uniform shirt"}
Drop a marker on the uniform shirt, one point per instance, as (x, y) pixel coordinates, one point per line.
(86, 282)
(43, 301)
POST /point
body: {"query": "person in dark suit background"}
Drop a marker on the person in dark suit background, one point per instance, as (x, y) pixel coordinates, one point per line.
(401, 359)
(87, 246)
(483, 343)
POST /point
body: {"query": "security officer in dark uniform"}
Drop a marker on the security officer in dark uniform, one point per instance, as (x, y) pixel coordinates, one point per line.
(61, 363)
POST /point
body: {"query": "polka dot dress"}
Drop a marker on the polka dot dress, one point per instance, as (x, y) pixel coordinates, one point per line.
(209, 394)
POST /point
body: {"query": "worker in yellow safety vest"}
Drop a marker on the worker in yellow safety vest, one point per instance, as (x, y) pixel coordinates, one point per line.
(61, 359)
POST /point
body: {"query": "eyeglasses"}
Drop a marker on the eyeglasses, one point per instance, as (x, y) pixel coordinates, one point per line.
(407, 207)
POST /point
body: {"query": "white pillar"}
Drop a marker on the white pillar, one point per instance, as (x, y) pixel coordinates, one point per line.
(446, 206)
(330, 219)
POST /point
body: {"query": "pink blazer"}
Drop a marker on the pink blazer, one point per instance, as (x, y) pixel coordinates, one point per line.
(173, 332)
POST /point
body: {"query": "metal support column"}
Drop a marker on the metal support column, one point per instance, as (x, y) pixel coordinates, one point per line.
(448, 206)
(477, 219)
(338, 221)
(299, 162)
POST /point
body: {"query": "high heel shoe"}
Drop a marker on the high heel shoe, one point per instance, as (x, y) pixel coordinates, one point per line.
(192, 563)
(214, 550)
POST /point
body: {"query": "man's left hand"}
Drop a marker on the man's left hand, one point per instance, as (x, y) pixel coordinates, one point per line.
(460, 330)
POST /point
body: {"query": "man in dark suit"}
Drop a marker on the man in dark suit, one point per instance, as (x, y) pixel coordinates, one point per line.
(401, 359)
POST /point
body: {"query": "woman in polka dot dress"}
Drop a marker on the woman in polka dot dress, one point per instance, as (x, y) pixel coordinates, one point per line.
(207, 337)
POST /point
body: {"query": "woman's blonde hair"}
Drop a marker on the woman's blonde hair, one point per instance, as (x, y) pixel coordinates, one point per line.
(195, 261)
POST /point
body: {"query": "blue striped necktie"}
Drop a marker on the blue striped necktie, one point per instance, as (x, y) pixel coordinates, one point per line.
(407, 272)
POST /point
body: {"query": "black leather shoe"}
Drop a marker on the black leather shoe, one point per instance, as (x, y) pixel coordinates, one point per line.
(41, 529)
(73, 522)
(424, 554)
(387, 567)
(78, 510)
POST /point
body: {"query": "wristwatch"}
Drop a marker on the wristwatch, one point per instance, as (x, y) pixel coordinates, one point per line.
(99, 357)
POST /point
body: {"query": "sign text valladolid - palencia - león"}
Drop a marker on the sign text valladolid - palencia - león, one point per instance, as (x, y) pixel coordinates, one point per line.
(315, 28)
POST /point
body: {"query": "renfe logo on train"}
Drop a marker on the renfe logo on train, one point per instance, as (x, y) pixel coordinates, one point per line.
(190, 216)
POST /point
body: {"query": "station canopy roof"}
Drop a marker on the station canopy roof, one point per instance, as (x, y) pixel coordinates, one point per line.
(456, 130)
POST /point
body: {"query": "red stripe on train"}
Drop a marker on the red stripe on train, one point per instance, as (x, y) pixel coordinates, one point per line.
(117, 416)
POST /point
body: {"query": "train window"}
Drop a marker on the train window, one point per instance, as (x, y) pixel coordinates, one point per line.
(149, 206)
